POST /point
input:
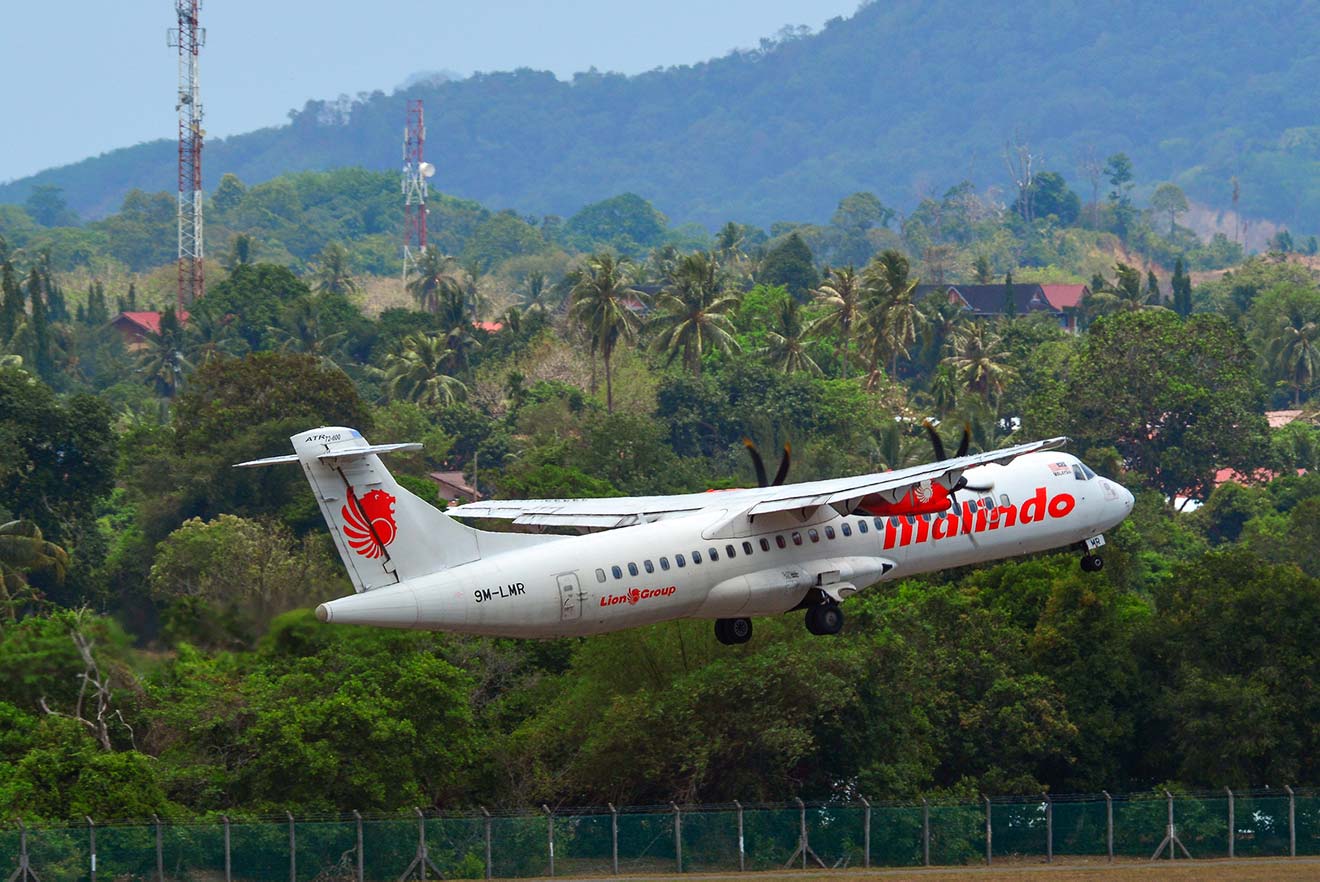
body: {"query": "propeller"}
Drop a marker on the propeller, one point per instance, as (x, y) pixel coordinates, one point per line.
(759, 464)
(940, 456)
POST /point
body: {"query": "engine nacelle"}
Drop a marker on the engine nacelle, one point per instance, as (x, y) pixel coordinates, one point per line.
(925, 498)
(770, 592)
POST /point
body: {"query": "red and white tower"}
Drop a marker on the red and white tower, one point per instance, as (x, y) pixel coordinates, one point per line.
(189, 38)
(415, 172)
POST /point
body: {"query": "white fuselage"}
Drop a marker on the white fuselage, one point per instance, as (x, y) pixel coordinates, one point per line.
(718, 564)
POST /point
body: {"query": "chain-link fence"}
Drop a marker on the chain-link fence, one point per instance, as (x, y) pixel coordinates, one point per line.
(667, 839)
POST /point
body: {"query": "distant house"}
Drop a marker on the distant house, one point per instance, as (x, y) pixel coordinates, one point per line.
(489, 327)
(135, 326)
(453, 487)
(988, 301)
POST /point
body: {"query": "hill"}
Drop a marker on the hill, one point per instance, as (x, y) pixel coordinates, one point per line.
(904, 99)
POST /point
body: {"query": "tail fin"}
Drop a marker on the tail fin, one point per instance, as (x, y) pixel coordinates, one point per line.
(385, 535)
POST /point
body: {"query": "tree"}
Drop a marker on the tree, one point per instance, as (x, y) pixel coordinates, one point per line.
(627, 223)
(1182, 287)
(1010, 297)
(789, 263)
(1177, 398)
(983, 272)
(1295, 353)
(602, 304)
(228, 193)
(162, 362)
(39, 323)
(46, 205)
(692, 314)
(1169, 199)
(786, 345)
(1048, 194)
(1118, 170)
(24, 550)
(12, 311)
(419, 372)
(980, 361)
(435, 280)
(891, 312)
(255, 295)
(1152, 292)
(840, 299)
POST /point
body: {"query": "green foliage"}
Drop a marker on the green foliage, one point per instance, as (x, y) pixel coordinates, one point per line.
(256, 295)
(626, 223)
(789, 264)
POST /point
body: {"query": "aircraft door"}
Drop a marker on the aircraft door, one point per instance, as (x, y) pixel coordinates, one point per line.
(570, 597)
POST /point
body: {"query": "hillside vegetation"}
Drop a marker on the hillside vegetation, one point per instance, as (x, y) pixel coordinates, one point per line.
(904, 99)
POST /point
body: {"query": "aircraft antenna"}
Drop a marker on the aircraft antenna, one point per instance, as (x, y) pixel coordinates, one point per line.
(189, 38)
(416, 170)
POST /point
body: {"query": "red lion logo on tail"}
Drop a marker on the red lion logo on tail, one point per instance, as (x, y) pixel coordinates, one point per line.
(368, 519)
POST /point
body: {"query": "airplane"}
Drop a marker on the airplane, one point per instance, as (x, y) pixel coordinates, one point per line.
(727, 556)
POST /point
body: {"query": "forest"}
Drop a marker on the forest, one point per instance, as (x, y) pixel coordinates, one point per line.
(158, 656)
(904, 97)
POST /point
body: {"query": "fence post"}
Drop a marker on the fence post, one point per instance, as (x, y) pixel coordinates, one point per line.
(550, 834)
(486, 815)
(1049, 828)
(91, 843)
(160, 852)
(1292, 821)
(742, 852)
(802, 836)
(1109, 824)
(1232, 824)
(293, 850)
(866, 833)
(228, 858)
(1173, 851)
(614, 838)
(678, 836)
(989, 853)
(361, 856)
(925, 830)
(24, 872)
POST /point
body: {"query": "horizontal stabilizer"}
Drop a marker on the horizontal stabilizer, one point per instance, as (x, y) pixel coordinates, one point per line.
(333, 456)
(270, 460)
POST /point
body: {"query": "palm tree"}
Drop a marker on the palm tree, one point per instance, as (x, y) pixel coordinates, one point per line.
(22, 550)
(161, 360)
(786, 345)
(891, 313)
(978, 360)
(209, 337)
(303, 331)
(693, 312)
(331, 273)
(434, 279)
(841, 299)
(602, 306)
(418, 372)
(1295, 353)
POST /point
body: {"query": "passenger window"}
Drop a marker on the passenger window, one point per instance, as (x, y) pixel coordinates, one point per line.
(879, 524)
(747, 548)
(632, 569)
(829, 532)
(713, 553)
(861, 526)
(618, 573)
(650, 567)
(1003, 499)
(678, 559)
(813, 535)
(664, 563)
(765, 544)
(925, 516)
(893, 521)
(797, 538)
(911, 519)
(696, 557)
(847, 530)
(728, 550)
(600, 575)
(779, 540)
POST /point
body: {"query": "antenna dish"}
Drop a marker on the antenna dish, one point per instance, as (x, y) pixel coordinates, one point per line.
(427, 169)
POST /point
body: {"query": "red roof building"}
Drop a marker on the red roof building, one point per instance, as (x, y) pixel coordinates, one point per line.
(135, 326)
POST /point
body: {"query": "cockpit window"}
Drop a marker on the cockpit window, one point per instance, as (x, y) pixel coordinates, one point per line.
(1082, 472)
(1077, 472)
(1086, 470)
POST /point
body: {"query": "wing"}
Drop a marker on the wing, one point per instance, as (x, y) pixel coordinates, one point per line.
(845, 495)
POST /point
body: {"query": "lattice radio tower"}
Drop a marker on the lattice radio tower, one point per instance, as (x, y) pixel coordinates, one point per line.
(189, 38)
(415, 172)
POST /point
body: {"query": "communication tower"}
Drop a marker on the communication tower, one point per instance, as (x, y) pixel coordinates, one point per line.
(415, 172)
(189, 38)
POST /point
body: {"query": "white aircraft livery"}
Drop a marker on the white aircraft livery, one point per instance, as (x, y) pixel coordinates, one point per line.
(725, 555)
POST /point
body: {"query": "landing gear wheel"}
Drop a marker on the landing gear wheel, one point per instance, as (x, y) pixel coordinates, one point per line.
(824, 619)
(1092, 563)
(731, 632)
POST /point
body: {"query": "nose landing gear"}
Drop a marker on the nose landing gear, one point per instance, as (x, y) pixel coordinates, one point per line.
(1092, 563)
(825, 618)
(731, 632)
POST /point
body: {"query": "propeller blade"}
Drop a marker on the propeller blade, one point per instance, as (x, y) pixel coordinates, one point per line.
(935, 440)
(966, 439)
(757, 463)
(783, 466)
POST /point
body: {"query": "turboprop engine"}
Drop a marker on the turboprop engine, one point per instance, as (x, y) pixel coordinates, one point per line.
(769, 592)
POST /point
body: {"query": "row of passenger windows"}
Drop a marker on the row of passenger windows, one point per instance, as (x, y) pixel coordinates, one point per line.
(813, 535)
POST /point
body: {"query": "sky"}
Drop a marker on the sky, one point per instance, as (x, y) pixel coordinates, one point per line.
(87, 77)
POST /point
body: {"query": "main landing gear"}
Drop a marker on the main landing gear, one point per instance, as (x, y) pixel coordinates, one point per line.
(825, 618)
(733, 631)
(1092, 563)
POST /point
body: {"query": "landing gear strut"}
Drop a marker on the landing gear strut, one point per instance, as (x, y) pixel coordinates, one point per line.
(1092, 563)
(825, 618)
(733, 631)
